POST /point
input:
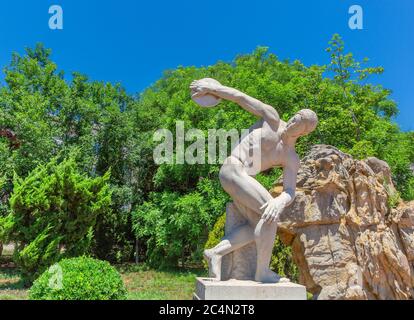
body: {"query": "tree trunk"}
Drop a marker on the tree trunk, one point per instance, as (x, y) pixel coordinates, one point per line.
(136, 251)
(182, 257)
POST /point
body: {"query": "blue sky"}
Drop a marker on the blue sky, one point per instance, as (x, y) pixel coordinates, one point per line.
(132, 42)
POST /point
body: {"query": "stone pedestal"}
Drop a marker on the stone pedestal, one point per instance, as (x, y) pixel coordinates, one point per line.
(210, 289)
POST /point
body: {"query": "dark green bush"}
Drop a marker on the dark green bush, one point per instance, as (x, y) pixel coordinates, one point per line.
(53, 214)
(79, 278)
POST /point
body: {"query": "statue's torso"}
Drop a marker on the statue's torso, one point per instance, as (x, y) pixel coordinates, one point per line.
(263, 148)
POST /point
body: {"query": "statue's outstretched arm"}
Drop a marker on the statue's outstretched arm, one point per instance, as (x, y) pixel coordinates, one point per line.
(252, 105)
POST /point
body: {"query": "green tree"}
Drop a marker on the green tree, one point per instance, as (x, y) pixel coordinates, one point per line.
(53, 214)
(174, 227)
(51, 117)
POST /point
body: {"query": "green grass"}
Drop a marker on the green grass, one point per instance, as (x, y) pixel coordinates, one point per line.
(141, 282)
(11, 285)
(146, 284)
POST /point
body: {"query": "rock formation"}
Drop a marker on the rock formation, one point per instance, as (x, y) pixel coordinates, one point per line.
(349, 239)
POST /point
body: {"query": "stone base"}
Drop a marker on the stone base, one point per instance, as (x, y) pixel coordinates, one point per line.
(210, 289)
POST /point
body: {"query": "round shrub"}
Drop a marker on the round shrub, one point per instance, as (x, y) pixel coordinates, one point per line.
(79, 278)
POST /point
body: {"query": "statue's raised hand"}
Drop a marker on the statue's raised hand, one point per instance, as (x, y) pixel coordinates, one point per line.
(202, 87)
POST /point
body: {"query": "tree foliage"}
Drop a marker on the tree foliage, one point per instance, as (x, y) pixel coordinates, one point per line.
(53, 214)
(51, 117)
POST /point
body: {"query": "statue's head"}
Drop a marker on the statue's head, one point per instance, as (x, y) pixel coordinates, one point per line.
(302, 123)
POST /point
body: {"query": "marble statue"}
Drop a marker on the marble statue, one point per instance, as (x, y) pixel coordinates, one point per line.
(272, 143)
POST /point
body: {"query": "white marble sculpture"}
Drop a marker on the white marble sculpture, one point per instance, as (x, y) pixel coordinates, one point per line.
(272, 143)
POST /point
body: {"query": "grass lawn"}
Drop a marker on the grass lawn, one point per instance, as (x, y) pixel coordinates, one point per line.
(141, 282)
(147, 284)
(11, 286)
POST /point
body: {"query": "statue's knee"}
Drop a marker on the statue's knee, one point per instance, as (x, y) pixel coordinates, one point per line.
(265, 231)
(225, 176)
(258, 234)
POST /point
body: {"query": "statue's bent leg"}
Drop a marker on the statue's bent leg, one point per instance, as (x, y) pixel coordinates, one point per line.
(265, 234)
(243, 188)
(238, 238)
(247, 191)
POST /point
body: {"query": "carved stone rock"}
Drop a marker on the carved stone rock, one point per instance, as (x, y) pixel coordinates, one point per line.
(346, 240)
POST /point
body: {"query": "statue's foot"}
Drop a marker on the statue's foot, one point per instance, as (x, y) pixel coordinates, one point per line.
(214, 263)
(268, 276)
